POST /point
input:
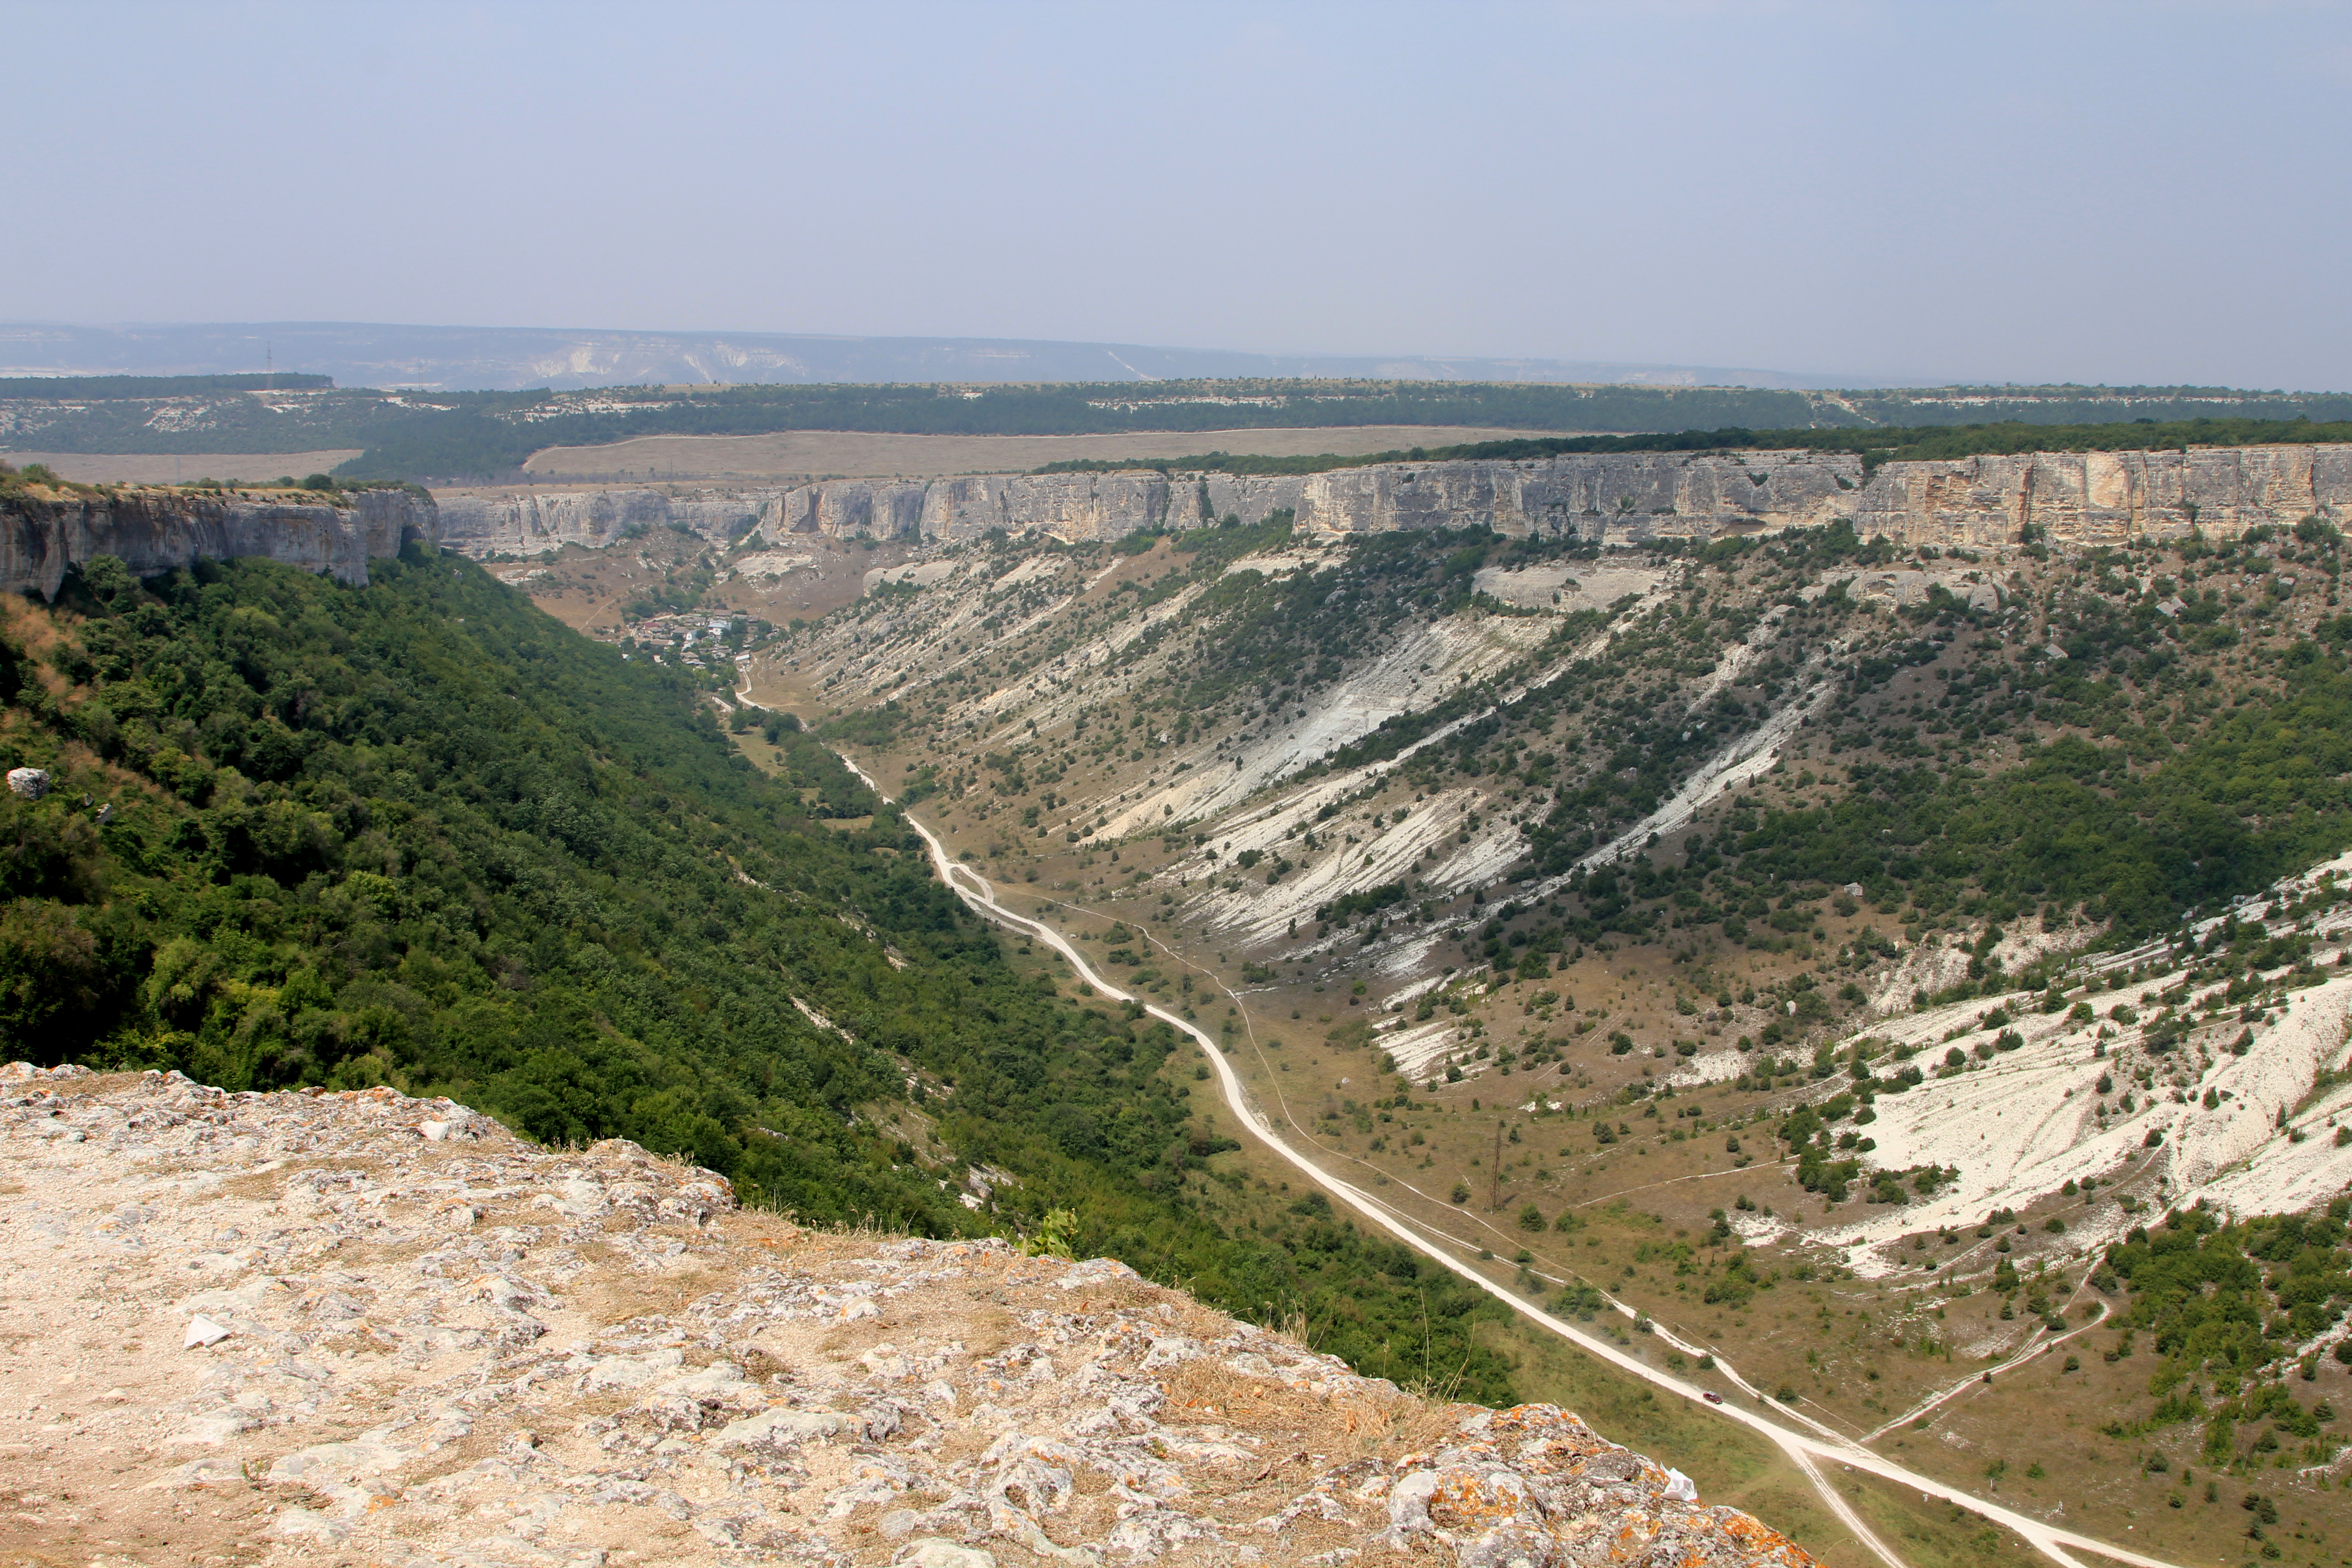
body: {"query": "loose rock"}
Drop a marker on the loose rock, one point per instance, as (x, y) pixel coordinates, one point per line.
(606, 1360)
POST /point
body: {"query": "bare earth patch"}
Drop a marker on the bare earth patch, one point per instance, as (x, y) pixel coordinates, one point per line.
(852, 454)
(182, 467)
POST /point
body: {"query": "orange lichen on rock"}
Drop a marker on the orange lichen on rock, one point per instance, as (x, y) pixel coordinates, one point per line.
(366, 1323)
(1535, 1485)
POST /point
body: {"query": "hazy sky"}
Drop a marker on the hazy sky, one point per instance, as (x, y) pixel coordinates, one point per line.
(2125, 193)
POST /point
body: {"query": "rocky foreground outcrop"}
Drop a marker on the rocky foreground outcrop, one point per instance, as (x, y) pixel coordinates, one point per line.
(154, 531)
(359, 1328)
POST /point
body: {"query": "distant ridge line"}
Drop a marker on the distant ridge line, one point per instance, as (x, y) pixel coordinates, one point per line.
(441, 358)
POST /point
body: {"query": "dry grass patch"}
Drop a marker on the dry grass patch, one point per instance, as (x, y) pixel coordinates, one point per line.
(1386, 1425)
(867, 455)
(169, 468)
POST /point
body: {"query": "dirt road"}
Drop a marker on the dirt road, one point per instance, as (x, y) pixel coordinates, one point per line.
(1805, 1449)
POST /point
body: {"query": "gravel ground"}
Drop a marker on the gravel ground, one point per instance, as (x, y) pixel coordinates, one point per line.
(369, 1329)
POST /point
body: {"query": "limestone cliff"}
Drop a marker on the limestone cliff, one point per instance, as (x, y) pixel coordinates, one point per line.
(535, 522)
(2101, 497)
(2083, 497)
(1615, 496)
(154, 531)
(275, 1328)
(2074, 496)
(1628, 496)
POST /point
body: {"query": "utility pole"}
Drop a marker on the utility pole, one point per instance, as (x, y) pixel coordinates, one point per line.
(1494, 1176)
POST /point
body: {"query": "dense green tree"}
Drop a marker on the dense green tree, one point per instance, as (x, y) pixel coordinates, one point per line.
(419, 833)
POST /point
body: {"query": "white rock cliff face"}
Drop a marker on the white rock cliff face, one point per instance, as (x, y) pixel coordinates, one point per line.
(154, 531)
(2103, 498)
(2087, 498)
(1632, 496)
(2080, 497)
(535, 524)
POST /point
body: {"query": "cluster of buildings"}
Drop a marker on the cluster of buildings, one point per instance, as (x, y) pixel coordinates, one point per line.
(692, 637)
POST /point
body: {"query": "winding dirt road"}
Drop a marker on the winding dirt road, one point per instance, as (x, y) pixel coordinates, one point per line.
(1805, 1449)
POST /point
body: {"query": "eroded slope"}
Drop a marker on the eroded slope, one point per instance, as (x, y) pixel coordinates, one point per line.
(1827, 951)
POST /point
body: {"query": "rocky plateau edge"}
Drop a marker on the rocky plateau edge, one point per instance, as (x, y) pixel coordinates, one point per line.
(2078, 497)
(2087, 498)
(156, 530)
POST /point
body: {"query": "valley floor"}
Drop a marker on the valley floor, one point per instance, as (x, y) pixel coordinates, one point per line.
(1699, 1363)
(1597, 1122)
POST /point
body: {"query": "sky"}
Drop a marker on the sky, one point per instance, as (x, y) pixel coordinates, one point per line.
(2144, 193)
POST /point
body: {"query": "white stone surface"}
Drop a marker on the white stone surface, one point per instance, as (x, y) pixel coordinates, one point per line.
(634, 1370)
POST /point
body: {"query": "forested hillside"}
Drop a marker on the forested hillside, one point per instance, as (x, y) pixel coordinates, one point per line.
(2127, 732)
(418, 833)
